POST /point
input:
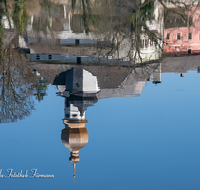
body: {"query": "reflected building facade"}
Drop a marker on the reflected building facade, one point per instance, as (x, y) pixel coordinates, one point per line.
(181, 32)
(68, 28)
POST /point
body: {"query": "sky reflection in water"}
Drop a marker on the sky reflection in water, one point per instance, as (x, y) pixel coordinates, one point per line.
(146, 142)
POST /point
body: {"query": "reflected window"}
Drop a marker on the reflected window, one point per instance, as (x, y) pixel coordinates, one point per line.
(190, 21)
(77, 42)
(38, 56)
(189, 36)
(178, 36)
(67, 115)
(168, 36)
(146, 43)
(142, 43)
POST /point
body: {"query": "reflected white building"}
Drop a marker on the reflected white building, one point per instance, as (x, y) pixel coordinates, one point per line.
(66, 28)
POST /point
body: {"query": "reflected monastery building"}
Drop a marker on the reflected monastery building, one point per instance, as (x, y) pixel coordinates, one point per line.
(182, 31)
(69, 32)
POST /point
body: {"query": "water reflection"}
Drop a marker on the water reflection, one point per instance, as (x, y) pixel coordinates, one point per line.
(90, 50)
(16, 87)
(127, 39)
(82, 89)
(79, 93)
(181, 31)
(18, 84)
(82, 86)
(94, 32)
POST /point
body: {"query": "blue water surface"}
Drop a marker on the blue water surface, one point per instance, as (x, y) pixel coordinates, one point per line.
(146, 142)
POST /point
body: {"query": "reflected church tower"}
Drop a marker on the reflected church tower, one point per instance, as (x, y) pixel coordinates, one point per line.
(79, 93)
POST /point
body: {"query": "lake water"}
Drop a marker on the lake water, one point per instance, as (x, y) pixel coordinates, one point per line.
(91, 99)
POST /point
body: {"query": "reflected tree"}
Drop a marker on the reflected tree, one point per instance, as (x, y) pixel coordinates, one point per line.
(87, 13)
(123, 30)
(1, 32)
(16, 87)
(1, 40)
(20, 17)
(143, 13)
(17, 81)
(41, 87)
(42, 22)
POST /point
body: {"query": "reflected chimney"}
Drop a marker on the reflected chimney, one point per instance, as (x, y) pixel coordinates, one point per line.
(157, 75)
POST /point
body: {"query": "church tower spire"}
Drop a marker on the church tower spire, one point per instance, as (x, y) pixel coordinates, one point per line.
(74, 170)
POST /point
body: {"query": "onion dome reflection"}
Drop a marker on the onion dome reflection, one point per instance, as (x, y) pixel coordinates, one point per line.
(74, 137)
(79, 93)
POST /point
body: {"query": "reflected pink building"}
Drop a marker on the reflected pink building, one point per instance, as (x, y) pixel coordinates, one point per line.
(182, 31)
